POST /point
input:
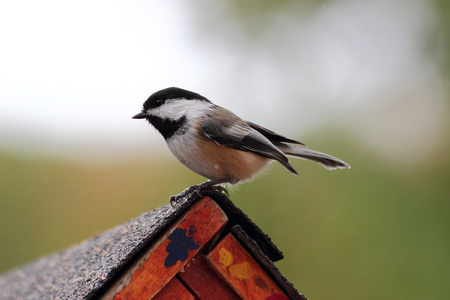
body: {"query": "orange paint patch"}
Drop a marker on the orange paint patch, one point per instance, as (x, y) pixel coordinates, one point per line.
(225, 257)
(240, 271)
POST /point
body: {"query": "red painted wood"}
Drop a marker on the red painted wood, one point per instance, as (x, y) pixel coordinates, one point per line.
(174, 290)
(173, 250)
(242, 272)
(204, 281)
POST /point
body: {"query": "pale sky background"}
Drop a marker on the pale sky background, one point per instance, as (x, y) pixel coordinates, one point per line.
(73, 73)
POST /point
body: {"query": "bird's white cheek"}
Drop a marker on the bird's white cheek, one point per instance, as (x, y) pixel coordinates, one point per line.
(165, 112)
(176, 109)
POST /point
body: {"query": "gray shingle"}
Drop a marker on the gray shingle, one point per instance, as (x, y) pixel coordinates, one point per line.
(77, 272)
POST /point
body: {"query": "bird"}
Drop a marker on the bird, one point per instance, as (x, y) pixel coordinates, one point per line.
(217, 144)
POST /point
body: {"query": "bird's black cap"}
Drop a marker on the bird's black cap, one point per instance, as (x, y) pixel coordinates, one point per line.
(159, 97)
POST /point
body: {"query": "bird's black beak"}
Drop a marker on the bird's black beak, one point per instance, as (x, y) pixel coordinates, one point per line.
(140, 115)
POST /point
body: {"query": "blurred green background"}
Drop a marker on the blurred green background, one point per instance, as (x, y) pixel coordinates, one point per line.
(368, 83)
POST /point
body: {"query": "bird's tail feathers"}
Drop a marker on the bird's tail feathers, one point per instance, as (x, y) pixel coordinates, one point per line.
(325, 160)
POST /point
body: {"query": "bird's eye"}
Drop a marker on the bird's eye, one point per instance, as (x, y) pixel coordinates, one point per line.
(159, 102)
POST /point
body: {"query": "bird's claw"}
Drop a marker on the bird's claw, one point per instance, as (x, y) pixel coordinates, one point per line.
(220, 189)
(198, 190)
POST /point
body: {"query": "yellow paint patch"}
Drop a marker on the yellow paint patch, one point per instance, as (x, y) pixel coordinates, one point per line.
(240, 271)
(225, 257)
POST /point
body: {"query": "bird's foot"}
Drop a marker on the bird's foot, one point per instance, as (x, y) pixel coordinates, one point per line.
(199, 190)
(176, 200)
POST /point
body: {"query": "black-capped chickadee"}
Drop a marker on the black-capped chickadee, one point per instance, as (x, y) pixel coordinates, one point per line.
(215, 143)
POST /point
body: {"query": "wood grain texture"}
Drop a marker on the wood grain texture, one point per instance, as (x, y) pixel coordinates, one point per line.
(184, 239)
(174, 290)
(204, 281)
(242, 272)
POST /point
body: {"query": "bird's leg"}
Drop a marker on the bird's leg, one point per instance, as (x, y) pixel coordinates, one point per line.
(212, 185)
(199, 189)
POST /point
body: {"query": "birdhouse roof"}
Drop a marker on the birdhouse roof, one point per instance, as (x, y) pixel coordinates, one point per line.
(83, 270)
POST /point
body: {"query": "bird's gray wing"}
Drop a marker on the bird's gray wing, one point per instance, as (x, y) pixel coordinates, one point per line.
(273, 136)
(228, 129)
